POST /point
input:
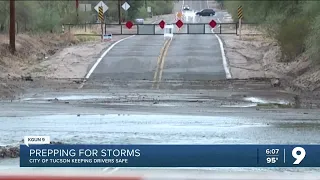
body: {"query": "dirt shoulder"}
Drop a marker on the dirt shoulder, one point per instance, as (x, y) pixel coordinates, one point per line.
(51, 56)
(54, 55)
(258, 56)
(255, 55)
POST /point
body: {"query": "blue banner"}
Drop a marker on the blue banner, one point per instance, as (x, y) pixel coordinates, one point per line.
(170, 156)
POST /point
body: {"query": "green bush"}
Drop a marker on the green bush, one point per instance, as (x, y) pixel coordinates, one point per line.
(313, 40)
(161, 7)
(48, 15)
(142, 13)
(291, 38)
(294, 24)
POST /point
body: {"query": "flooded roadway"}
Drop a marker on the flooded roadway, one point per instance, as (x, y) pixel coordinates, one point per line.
(285, 128)
(162, 123)
(176, 114)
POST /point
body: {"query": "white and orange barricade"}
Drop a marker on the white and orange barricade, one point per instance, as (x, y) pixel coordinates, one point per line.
(168, 31)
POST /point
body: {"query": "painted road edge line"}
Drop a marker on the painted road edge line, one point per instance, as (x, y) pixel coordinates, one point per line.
(104, 54)
(224, 59)
(100, 59)
(223, 54)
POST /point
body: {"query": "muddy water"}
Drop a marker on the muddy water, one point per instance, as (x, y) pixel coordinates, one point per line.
(175, 119)
(162, 129)
(125, 128)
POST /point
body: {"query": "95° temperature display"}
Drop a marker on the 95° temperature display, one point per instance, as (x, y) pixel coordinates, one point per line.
(291, 156)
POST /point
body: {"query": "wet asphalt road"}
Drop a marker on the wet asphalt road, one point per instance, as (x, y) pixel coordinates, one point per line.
(195, 56)
(168, 116)
(132, 59)
(190, 56)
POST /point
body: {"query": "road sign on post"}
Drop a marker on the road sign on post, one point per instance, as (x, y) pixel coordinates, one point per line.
(125, 6)
(104, 6)
(240, 12)
(101, 14)
(101, 8)
(240, 16)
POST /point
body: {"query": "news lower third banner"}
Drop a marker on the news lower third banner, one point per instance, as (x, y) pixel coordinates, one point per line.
(169, 155)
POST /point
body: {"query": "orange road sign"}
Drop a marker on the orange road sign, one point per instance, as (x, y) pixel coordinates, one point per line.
(179, 14)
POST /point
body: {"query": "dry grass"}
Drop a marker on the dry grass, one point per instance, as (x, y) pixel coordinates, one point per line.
(88, 38)
(88, 29)
(30, 49)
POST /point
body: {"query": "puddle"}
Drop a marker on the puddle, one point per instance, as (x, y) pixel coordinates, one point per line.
(263, 101)
(255, 101)
(164, 105)
(241, 105)
(68, 98)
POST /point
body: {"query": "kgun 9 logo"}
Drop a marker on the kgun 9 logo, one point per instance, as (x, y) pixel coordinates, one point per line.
(299, 153)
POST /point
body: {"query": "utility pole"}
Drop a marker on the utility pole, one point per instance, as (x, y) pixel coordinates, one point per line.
(119, 11)
(12, 30)
(77, 9)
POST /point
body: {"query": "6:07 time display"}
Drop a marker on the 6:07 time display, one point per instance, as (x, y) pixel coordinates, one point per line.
(272, 151)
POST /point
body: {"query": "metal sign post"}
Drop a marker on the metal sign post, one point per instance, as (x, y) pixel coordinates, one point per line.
(240, 16)
(101, 18)
(77, 8)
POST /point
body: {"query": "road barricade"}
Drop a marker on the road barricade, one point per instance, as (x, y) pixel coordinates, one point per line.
(168, 31)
